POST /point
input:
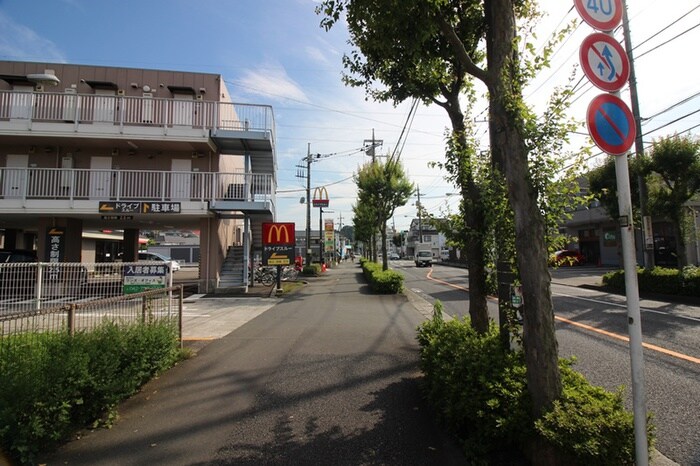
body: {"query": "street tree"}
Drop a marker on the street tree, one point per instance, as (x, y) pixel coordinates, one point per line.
(365, 226)
(511, 128)
(383, 186)
(397, 59)
(602, 182)
(673, 166)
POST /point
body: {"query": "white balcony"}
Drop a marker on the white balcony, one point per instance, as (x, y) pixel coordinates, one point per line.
(51, 189)
(232, 127)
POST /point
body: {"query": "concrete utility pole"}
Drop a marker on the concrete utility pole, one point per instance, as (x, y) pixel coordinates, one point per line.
(373, 144)
(647, 233)
(420, 219)
(307, 174)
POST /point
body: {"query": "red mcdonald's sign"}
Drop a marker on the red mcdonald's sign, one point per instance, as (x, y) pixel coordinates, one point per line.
(278, 233)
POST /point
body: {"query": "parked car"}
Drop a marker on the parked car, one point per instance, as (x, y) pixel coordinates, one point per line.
(154, 256)
(394, 257)
(566, 257)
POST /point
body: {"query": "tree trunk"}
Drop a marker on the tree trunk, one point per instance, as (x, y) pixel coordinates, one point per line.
(509, 151)
(677, 220)
(475, 223)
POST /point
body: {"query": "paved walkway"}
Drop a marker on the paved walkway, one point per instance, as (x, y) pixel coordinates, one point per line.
(326, 376)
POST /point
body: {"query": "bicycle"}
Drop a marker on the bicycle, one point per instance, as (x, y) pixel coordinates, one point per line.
(264, 275)
(289, 273)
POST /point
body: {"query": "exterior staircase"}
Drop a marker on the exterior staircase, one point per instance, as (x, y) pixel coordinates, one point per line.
(231, 277)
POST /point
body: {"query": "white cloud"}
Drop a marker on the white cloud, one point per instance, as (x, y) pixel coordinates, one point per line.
(18, 42)
(272, 81)
(316, 55)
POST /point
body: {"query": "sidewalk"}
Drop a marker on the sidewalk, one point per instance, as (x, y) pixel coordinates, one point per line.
(328, 375)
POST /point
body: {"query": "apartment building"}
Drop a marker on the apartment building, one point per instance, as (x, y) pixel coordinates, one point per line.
(90, 148)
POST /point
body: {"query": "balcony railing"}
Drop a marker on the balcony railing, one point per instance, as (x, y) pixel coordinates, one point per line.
(119, 185)
(81, 109)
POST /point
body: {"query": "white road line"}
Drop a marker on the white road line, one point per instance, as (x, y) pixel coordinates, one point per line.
(643, 309)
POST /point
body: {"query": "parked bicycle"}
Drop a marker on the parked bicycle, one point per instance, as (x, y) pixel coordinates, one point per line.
(290, 273)
(264, 275)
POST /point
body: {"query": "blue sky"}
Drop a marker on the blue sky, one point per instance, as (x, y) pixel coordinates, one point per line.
(274, 52)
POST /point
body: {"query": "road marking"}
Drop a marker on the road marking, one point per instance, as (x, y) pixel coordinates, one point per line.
(644, 309)
(649, 346)
(594, 329)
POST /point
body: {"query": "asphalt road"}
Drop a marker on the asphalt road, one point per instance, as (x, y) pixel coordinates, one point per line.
(591, 325)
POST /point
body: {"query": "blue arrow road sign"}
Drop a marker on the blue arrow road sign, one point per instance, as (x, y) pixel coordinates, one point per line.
(604, 62)
(611, 124)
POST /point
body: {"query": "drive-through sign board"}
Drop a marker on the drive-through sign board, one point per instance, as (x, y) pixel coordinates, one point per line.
(278, 243)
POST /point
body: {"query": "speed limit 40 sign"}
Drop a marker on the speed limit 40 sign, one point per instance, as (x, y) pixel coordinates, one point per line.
(603, 15)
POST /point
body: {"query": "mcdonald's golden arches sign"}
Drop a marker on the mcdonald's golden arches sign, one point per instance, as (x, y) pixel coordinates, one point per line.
(278, 243)
(320, 197)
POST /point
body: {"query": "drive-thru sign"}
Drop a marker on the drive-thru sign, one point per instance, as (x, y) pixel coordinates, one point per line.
(278, 243)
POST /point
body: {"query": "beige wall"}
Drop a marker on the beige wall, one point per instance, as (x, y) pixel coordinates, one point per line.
(75, 76)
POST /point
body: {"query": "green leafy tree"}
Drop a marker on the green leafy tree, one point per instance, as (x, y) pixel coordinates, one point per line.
(365, 226)
(602, 182)
(675, 162)
(383, 186)
(512, 129)
(510, 149)
(398, 58)
(348, 231)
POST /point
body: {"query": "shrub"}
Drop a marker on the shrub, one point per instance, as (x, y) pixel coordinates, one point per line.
(311, 270)
(477, 389)
(659, 280)
(53, 384)
(479, 392)
(589, 423)
(381, 281)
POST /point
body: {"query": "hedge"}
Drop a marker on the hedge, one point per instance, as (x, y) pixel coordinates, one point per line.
(54, 384)
(659, 280)
(381, 281)
(479, 392)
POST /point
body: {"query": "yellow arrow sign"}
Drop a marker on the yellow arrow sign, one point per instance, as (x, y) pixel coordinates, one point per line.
(106, 208)
(278, 259)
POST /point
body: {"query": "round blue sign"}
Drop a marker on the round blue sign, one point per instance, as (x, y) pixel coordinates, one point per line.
(611, 124)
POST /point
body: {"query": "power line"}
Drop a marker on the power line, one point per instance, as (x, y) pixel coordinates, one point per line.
(670, 40)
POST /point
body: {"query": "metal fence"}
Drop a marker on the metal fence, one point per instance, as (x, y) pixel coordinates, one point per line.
(37, 285)
(155, 305)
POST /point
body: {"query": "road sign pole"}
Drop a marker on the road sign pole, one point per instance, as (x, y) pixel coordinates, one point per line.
(612, 127)
(634, 322)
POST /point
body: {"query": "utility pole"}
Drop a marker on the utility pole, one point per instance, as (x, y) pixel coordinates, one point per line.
(373, 144)
(307, 175)
(647, 233)
(420, 219)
